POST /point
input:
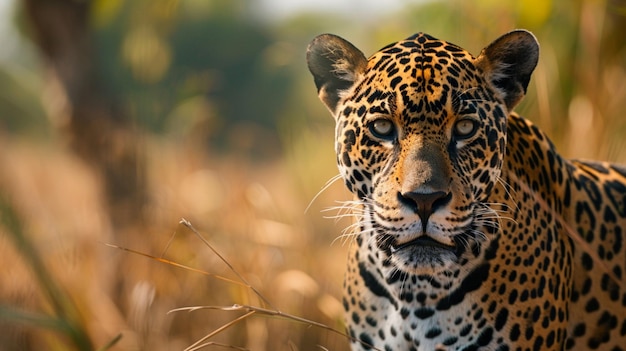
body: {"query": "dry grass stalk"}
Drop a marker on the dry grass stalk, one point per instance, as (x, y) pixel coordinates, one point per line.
(249, 310)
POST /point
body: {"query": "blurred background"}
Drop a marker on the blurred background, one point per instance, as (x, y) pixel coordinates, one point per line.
(120, 118)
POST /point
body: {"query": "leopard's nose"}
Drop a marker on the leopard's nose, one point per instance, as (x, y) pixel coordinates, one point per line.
(424, 204)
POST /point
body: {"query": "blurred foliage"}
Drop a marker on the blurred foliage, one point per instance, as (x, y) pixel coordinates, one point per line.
(196, 65)
(21, 110)
(236, 140)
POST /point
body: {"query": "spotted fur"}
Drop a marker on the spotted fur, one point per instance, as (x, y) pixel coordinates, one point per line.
(473, 232)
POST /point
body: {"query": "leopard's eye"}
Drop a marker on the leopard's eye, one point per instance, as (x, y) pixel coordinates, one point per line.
(465, 128)
(383, 128)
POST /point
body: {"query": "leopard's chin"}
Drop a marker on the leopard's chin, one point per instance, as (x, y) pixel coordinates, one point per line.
(423, 256)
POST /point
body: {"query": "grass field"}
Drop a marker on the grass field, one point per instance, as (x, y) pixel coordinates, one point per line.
(253, 215)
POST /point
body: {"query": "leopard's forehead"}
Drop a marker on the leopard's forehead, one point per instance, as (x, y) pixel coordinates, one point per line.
(420, 74)
(421, 64)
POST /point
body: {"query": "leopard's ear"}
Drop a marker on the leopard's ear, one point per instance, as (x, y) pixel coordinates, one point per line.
(335, 65)
(508, 63)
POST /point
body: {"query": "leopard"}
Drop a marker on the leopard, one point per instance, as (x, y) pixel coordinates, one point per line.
(471, 231)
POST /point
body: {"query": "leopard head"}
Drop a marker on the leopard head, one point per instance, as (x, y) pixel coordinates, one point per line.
(420, 140)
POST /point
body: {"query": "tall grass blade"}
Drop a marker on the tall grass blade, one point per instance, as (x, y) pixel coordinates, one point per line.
(67, 315)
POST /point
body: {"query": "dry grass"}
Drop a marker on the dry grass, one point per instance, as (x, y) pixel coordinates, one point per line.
(252, 214)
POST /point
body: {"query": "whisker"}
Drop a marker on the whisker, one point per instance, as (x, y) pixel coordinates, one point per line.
(330, 182)
(347, 209)
(351, 233)
(509, 191)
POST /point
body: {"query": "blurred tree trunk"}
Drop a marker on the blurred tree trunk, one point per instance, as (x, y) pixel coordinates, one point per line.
(99, 131)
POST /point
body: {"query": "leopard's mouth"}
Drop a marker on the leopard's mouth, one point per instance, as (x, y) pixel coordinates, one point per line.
(423, 241)
(422, 255)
